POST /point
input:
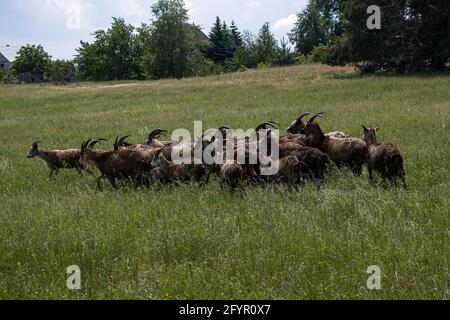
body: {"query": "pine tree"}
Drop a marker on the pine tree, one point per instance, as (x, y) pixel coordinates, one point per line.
(237, 37)
(285, 56)
(266, 45)
(228, 41)
(223, 46)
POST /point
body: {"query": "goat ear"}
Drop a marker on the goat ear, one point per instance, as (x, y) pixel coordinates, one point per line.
(365, 129)
(377, 129)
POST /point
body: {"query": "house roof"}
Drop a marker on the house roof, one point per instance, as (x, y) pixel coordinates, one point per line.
(199, 35)
(3, 58)
(9, 52)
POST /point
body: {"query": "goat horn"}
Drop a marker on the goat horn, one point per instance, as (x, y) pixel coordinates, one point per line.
(122, 140)
(99, 140)
(315, 117)
(303, 115)
(264, 125)
(93, 143)
(225, 127)
(87, 143)
(274, 123)
(155, 133)
(294, 123)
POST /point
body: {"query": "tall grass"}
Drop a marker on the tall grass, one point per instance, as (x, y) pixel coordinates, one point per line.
(202, 242)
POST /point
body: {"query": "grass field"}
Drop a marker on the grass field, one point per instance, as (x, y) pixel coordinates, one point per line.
(201, 242)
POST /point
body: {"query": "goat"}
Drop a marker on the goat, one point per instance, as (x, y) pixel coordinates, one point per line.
(165, 171)
(294, 134)
(231, 174)
(113, 165)
(56, 159)
(384, 157)
(348, 151)
(314, 161)
(289, 170)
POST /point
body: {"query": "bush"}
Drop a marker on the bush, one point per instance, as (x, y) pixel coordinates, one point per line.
(319, 54)
(59, 71)
(302, 59)
(263, 65)
(339, 51)
(7, 76)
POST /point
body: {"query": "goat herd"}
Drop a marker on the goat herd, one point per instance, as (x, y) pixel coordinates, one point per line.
(304, 154)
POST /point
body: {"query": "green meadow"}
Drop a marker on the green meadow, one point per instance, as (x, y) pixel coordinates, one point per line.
(202, 242)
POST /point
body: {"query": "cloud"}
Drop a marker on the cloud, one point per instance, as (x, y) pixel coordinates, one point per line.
(132, 9)
(253, 4)
(286, 23)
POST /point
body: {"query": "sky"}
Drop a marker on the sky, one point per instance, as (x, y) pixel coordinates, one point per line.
(59, 25)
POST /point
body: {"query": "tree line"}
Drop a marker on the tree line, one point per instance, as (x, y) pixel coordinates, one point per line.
(414, 36)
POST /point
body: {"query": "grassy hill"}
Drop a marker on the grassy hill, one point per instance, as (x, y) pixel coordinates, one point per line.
(202, 242)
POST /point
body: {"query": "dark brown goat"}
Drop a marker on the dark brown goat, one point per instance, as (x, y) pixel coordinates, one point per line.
(347, 151)
(56, 159)
(231, 174)
(113, 165)
(165, 171)
(289, 171)
(384, 157)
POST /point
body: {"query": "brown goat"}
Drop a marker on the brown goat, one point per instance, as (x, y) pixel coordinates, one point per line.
(289, 171)
(165, 171)
(231, 174)
(113, 165)
(384, 157)
(347, 151)
(56, 159)
(314, 161)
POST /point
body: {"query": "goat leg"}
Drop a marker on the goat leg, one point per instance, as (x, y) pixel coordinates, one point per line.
(112, 180)
(404, 182)
(370, 173)
(99, 183)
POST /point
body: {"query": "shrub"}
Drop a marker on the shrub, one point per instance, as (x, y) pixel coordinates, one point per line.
(339, 51)
(7, 76)
(59, 71)
(319, 54)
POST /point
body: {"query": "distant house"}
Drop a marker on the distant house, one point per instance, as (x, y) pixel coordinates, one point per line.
(31, 77)
(5, 64)
(72, 74)
(7, 56)
(199, 35)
